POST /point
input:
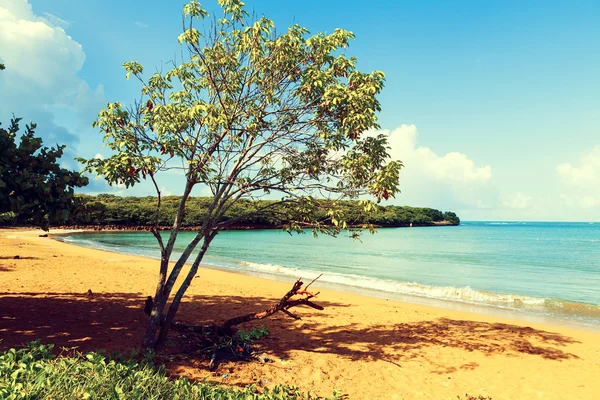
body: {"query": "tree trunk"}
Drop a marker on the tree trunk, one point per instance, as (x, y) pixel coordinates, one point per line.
(180, 263)
(160, 298)
(166, 325)
(149, 339)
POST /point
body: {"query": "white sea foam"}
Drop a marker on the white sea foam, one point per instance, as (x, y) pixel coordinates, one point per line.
(463, 294)
(506, 223)
(96, 245)
(80, 242)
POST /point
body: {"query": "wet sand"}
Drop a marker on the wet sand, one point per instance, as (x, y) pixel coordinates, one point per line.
(367, 347)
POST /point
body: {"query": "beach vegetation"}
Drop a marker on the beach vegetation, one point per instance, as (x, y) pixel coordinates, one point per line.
(34, 188)
(249, 112)
(34, 372)
(253, 334)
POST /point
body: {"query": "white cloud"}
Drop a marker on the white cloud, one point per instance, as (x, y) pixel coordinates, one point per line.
(587, 173)
(37, 53)
(17, 8)
(581, 181)
(54, 20)
(452, 166)
(583, 201)
(516, 201)
(40, 81)
(164, 191)
(449, 181)
(141, 24)
(99, 185)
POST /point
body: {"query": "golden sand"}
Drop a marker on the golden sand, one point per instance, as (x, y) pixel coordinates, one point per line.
(368, 348)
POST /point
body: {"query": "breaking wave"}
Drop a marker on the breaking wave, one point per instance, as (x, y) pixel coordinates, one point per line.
(505, 223)
(465, 294)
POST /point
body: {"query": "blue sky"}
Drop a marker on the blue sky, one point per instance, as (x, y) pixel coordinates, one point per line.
(493, 106)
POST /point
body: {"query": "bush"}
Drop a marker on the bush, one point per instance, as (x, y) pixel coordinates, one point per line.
(33, 185)
(8, 219)
(34, 373)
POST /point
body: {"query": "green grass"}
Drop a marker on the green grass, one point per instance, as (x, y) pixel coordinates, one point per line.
(35, 373)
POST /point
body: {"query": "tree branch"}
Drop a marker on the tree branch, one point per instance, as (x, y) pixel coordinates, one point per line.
(282, 305)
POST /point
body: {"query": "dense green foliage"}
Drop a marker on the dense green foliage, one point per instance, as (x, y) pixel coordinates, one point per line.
(110, 210)
(34, 189)
(34, 373)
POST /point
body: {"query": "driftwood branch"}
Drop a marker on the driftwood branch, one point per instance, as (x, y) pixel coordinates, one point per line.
(313, 281)
(228, 327)
(290, 314)
(283, 305)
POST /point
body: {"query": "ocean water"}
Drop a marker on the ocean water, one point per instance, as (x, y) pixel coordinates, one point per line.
(547, 269)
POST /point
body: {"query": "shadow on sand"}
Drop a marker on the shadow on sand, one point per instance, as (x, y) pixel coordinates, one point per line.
(116, 322)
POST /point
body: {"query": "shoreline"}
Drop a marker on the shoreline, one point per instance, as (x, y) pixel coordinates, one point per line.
(367, 347)
(492, 310)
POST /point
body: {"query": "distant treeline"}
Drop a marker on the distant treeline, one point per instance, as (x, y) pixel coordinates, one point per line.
(109, 210)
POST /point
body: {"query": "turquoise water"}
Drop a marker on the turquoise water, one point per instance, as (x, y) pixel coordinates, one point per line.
(546, 268)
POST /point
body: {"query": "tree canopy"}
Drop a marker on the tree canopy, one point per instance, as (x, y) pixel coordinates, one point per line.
(250, 112)
(33, 186)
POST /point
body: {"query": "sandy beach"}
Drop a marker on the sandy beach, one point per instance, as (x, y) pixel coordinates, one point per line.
(369, 348)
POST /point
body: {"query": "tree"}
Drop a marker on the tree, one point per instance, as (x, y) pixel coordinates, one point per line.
(249, 113)
(451, 217)
(32, 184)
